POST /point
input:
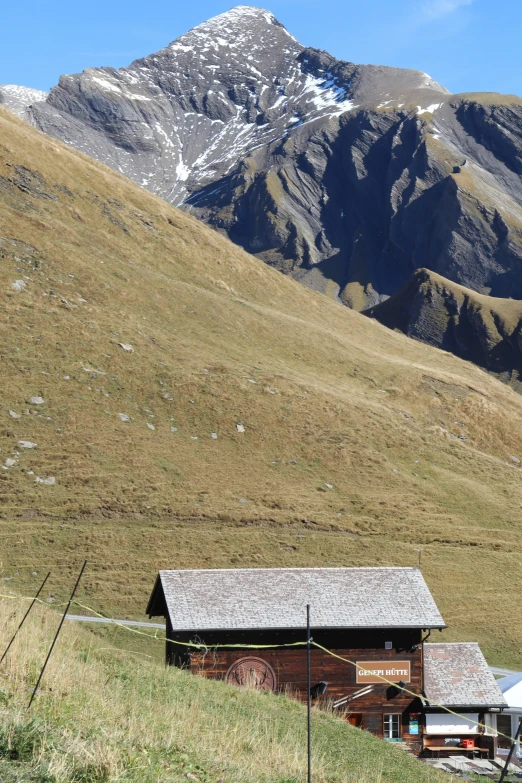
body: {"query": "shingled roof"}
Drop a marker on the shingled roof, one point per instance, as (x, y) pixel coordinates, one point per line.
(457, 675)
(263, 598)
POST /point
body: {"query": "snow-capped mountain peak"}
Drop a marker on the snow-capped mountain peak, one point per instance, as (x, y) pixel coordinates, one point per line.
(186, 116)
(237, 17)
(346, 176)
(240, 28)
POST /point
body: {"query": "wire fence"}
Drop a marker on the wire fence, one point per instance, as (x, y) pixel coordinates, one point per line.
(155, 637)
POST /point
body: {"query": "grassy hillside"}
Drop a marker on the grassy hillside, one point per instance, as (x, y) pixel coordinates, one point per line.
(102, 716)
(146, 334)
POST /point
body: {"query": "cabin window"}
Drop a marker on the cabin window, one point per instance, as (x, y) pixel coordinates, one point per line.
(392, 727)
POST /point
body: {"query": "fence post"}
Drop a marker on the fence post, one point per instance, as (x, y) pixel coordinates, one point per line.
(56, 635)
(309, 695)
(25, 616)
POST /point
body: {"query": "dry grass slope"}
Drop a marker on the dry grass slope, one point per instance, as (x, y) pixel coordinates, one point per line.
(351, 450)
(101, 716)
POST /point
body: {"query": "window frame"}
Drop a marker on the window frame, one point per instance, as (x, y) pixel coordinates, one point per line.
(389, 717)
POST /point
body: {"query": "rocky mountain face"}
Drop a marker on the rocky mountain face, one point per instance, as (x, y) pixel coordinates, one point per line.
(348, 177)
(188, 116)
(483, 329)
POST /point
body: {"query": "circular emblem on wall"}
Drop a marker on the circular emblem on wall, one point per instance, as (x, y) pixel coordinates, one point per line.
(253, 672)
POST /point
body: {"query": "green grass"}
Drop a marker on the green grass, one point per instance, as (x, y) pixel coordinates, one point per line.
(336, 399)
(105, 716)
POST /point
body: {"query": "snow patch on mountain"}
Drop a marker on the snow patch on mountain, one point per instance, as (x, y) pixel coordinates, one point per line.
(429, 109)
(17, 98)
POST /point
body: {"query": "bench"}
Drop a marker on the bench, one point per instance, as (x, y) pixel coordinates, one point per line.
(436, 751)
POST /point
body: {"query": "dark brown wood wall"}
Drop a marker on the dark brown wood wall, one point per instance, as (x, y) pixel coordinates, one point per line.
(289, 666)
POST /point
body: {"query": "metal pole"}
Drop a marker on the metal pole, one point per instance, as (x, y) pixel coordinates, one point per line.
(511, 750)
(56, 635)
(309, 686)
(25, 616)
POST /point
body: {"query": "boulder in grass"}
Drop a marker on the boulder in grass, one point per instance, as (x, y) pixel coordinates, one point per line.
(26, 444)
(36, 401)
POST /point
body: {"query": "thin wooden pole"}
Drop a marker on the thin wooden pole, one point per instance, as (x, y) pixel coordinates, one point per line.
(309, 686)
(511, 750)
(56, 635)
(25, 616)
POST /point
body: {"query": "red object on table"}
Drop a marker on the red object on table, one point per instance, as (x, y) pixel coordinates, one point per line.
(468, 744)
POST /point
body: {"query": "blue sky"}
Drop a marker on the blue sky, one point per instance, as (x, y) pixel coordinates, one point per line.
(467, 45)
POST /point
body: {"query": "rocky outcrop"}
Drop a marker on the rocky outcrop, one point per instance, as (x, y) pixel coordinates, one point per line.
(483, 329)
(19, 99)
(348, 177)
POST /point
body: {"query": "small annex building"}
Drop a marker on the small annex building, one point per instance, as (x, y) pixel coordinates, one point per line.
(457, 677)
(377, 618)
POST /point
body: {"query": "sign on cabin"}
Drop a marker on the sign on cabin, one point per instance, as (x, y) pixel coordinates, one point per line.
(374, 671)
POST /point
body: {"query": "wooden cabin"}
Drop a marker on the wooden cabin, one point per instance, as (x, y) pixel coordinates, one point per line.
(378, 618)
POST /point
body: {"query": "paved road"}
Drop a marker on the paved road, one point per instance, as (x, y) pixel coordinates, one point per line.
(136, 623)
(502, 672)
